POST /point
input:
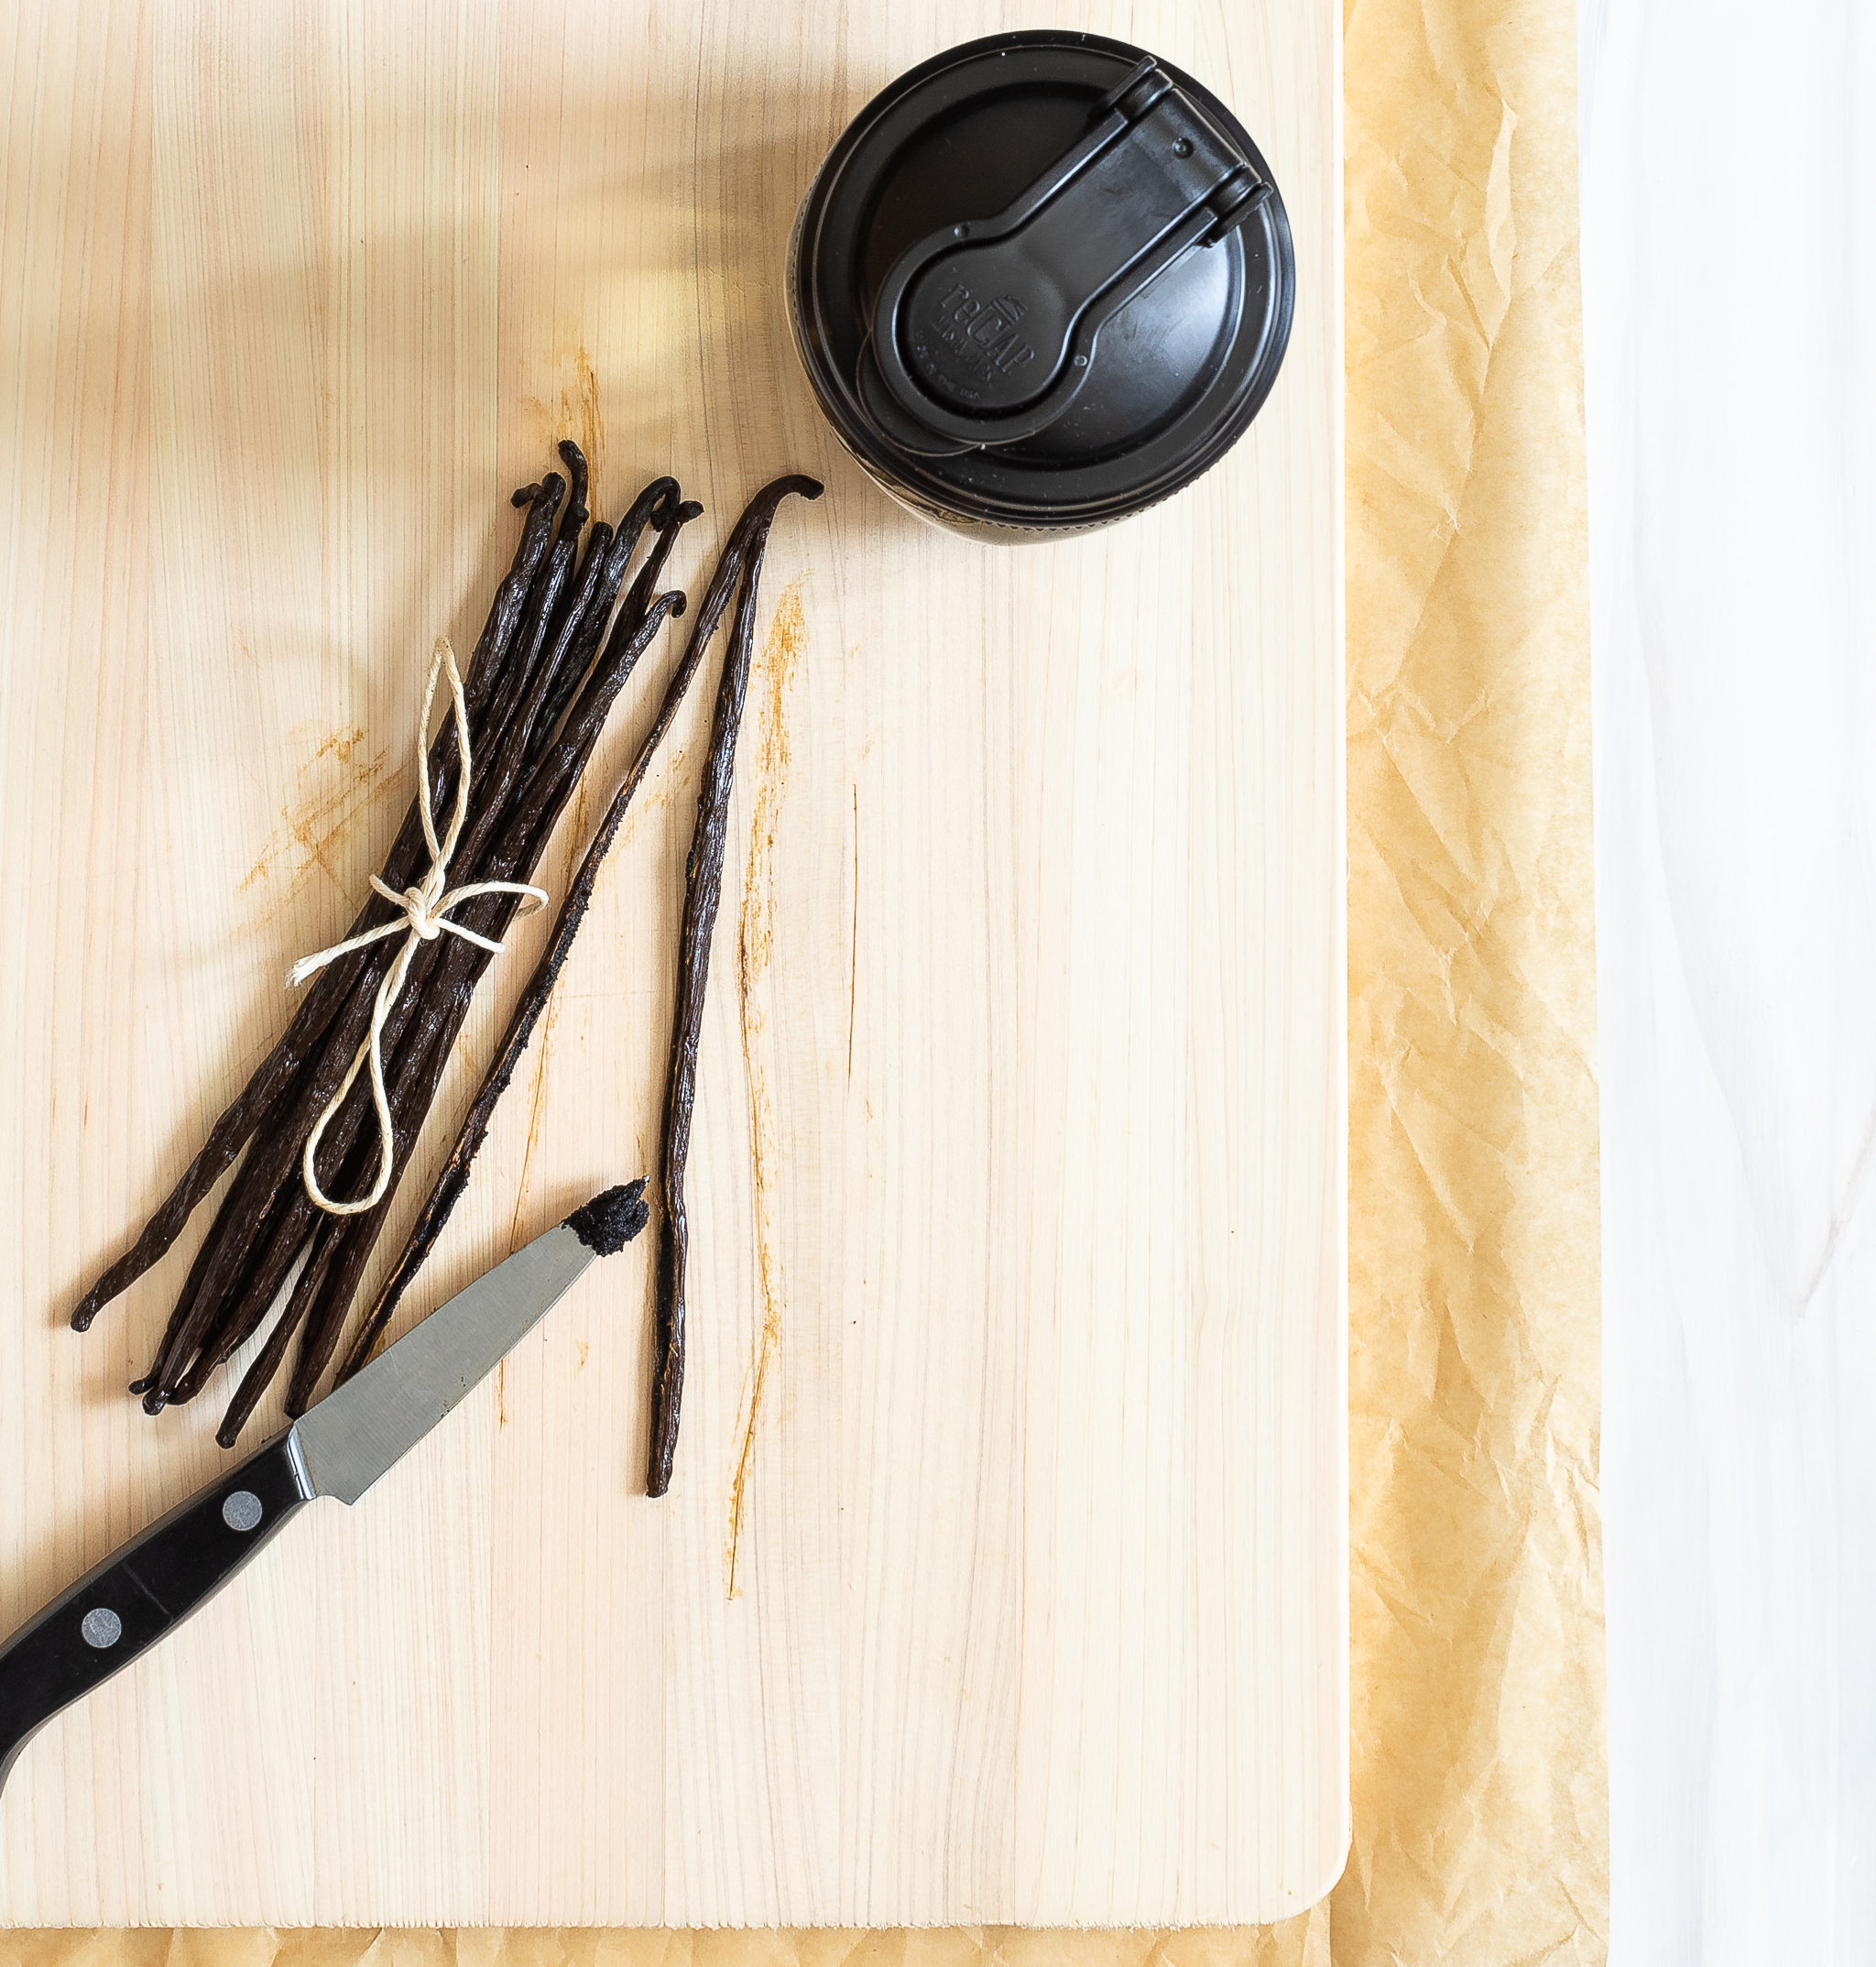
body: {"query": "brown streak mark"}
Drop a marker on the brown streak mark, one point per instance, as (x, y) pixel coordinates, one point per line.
(657, 802)
(853, 975)
(317, 823)
(577, 410)
(592, 424)
(501, 1393)
(576, 833)
(755, 942)
(338, 745)
(537, 1107)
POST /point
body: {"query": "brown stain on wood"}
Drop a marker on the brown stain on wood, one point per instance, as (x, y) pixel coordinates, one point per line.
(314, 825)
(659, 800)
(576, 835)
(788, 637)
(339, 746)
(575, 410)
(537, 1110)
(592, 424)
(853, 975)
(501, 1393)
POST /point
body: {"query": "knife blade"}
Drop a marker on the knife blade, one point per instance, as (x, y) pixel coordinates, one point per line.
(122, 1607)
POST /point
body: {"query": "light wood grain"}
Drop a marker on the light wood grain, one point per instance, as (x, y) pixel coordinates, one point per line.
(1004, 1577)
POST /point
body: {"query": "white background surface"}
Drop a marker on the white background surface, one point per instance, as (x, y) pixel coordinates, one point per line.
(1730, 266)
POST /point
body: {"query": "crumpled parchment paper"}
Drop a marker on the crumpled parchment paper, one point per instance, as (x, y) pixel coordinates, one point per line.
(1479, 1761)
(1480, 1831)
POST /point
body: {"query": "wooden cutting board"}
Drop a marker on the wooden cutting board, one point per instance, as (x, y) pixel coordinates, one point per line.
(1004, 1579)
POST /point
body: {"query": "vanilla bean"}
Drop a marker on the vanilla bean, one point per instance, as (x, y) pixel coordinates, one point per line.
(532, 642)
(253, 1240)
(270, 1255)
(658, 503)
(661, 506)
(252, 1211)
(552, 773)
(558, 596)
(492, 649)
(589, 604)
(256, 1234)
(702, 892)
(187, 1297)
(671, 516)
(256, 1299)
(581, 628)
(230, 1334)
(414, 1071)
(266, 1363)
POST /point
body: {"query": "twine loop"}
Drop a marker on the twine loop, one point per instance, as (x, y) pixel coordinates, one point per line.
(424, 915)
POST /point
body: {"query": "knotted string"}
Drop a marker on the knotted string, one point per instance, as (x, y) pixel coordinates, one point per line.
(423, 916)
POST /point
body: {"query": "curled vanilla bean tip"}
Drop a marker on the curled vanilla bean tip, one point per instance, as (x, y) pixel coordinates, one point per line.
(525, 496)
(574, 459)
(229, 1433)
(654, 504)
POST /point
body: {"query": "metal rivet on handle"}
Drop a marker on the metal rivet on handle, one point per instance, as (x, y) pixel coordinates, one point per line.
(242, 1510)
(102, 1627)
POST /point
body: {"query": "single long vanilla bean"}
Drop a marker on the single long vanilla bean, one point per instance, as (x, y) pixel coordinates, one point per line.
(703, 891)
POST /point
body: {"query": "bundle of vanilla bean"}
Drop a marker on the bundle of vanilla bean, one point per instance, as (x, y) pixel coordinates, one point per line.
(557, 649)
(543, 676)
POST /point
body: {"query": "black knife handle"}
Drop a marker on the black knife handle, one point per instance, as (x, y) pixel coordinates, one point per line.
(124, 1606)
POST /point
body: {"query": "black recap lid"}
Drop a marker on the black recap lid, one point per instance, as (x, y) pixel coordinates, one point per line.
(1043, 281)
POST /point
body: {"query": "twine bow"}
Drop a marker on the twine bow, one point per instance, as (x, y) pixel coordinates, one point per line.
(425, 915)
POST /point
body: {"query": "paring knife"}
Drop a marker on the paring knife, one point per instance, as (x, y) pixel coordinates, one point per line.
(338, 1449)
